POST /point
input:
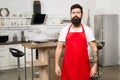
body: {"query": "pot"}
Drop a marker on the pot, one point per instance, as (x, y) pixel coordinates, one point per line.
(3, 38)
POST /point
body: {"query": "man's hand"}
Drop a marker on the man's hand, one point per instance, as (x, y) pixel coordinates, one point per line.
(57, 71)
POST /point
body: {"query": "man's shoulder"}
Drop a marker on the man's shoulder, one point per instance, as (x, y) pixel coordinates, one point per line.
(86, 27)
(66, 27)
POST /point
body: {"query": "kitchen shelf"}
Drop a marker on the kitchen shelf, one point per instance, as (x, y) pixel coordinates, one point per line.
(15, 21)
(43, 58)
(15, 26)
(35, 79)
(37, 63)
(15, 17)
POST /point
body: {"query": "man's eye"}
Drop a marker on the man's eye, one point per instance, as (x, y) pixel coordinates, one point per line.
(73, 12)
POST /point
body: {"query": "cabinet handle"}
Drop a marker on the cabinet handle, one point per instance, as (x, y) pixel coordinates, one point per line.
(102, 33)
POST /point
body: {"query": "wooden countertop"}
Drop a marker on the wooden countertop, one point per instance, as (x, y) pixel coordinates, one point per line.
(39, 45)
(12, 43)
(33, 45)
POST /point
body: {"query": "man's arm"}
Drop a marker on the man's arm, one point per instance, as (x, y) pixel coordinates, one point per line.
(93, 45)
(57, 57)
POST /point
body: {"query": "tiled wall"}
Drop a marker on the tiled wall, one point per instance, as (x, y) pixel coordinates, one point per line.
(34, 32)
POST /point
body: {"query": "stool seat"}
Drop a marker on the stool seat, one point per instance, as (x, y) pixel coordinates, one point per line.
(16, 52)
(100, 45)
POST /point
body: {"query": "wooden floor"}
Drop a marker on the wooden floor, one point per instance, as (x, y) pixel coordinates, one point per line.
(108, 73)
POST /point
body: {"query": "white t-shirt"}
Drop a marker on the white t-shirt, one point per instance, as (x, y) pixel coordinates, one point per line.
(88, 32)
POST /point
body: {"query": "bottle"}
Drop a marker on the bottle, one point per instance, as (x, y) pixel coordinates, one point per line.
(15, 38)
(22, 37)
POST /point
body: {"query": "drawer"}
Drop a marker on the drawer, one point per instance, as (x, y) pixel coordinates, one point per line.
(4, 61)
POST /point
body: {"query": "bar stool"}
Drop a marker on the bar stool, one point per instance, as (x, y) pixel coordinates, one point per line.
(17, 53)
(100, 45)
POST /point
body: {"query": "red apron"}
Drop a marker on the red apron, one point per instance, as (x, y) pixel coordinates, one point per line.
(76, 64)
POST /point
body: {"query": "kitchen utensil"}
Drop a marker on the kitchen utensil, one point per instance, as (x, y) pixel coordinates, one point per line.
(3, 38)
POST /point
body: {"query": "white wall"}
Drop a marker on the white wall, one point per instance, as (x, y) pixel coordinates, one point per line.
(17, 6)
(107, 7)
(62, 7)
(56, 8)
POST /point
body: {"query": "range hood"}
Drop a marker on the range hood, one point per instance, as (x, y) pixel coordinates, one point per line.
(37, 17)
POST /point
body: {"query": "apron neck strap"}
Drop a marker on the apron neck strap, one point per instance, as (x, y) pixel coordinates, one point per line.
(81, 26)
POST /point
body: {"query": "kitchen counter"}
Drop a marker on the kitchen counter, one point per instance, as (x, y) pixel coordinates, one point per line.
(39, 45)
(11, 43)
(43, 62)
(31, 43)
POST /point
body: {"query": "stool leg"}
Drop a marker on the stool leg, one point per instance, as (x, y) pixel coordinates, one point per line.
(18, 68)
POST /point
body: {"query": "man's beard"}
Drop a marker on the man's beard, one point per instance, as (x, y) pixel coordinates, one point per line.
(76, 21)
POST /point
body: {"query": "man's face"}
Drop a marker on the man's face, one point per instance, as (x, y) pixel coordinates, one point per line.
(76, 17)
(76, 12)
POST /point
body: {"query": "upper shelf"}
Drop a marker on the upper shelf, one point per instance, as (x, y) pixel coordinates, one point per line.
(37, 63)
(15, 21)
(15, 17)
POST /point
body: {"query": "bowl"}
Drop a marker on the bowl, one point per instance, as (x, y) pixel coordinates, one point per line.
(3, 38)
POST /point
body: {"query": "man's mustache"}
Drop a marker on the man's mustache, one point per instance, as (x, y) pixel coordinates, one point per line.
(76, 17)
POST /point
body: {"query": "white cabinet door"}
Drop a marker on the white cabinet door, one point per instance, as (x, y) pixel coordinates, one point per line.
(4, 58)
(8, 61)
(13, 60)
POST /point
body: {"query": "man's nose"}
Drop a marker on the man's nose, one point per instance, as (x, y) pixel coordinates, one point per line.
(75, 14)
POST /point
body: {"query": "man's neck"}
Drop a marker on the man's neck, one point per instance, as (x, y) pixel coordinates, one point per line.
(76, 28)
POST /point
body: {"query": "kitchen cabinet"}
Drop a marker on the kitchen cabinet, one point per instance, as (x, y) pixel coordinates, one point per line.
(45, 61)
(53, 76)
(13, 60)
(106, 29)
(4, 57)
(7, 61)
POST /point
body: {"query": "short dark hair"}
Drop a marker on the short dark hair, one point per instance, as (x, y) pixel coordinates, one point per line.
(76, 6)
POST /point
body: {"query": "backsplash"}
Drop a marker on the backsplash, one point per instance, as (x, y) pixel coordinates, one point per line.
(12, 31)
(32, 32)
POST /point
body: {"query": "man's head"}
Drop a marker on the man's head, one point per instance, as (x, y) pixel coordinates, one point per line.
(76, 12)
